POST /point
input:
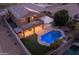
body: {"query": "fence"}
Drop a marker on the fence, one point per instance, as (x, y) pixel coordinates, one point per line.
(18, 39)
(62, 48)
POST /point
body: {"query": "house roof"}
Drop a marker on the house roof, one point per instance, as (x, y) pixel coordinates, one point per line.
(23, 9)
(32, 24)
(72, 9)
(18, 11)
(46, 19)
(34, 7)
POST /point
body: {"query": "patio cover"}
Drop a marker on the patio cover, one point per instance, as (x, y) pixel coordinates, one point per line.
(31, 25)
(47, 19)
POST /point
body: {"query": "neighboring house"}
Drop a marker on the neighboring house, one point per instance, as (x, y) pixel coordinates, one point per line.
(26, 16)
(72, 9)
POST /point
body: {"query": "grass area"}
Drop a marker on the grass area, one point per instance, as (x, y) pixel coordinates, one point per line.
(35, 48)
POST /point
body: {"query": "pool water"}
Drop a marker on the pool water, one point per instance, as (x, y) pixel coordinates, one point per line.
(74, 50)
(51, 36)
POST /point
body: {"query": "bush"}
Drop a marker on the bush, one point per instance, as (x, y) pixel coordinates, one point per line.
(57, 43)
(71, 24)
(61, 17)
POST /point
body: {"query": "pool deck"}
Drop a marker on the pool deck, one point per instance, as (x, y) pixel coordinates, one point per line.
(47, 28)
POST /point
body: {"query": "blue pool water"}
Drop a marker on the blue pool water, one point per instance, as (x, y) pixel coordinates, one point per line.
(51, 36)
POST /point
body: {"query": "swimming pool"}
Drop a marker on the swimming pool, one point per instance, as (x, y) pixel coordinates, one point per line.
(51, 37)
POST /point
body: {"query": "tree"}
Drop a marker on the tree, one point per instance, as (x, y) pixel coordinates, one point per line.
(61, 17)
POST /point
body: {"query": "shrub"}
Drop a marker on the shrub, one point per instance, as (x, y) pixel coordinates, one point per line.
(61, 17)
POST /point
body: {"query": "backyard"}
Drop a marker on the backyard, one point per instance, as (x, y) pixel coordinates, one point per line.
(37, 49)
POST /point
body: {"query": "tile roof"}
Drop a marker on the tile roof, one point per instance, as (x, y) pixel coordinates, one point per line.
(72, 9)
(18, 11)
(23, 9)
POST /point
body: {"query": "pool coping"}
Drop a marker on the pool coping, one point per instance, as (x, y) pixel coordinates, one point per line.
(46, 44)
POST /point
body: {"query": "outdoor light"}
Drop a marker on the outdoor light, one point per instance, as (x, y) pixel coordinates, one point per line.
(32, 17)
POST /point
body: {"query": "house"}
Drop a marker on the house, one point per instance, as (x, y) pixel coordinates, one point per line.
(26, 17)
(72, 9)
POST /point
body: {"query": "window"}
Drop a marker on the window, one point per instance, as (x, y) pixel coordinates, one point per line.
(28, 19)
(32, 18)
